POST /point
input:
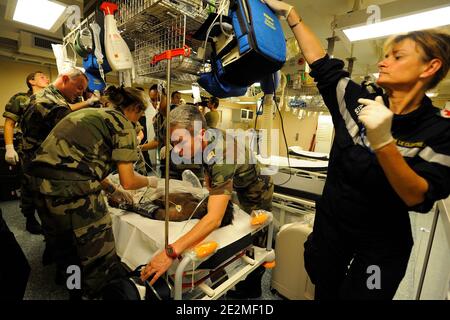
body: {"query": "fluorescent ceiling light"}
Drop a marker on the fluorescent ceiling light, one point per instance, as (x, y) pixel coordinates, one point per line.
(185, 91)
(39, 13)
(432, 94)
(246, 102)
(419, 21)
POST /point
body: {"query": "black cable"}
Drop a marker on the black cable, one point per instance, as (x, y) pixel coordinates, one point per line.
(256, 122)
(284, 134)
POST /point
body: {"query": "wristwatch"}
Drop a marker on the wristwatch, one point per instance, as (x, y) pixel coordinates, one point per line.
(110, 189)
(170, 251)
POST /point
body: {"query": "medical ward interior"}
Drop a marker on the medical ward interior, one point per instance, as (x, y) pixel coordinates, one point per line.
(46, 40)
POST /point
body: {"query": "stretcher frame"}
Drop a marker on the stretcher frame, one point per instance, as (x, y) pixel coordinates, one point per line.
(247, 256)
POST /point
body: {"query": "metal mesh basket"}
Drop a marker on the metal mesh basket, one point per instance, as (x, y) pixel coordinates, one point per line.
(167, 35)
(137, 16)
(152, 27)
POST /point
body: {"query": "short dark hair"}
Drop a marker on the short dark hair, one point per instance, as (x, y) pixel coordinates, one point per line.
(174, 93)
(214, 101)
(122, 97)
(29, 78)
(155, 87)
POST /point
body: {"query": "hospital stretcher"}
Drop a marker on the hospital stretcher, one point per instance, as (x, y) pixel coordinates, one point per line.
(138, 238)
(297, 177)
(300, 153)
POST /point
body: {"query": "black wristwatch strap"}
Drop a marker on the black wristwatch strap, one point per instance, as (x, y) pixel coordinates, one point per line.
(110, 189)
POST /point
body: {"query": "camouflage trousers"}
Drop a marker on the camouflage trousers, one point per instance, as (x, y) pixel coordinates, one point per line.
(79, 231)
(257, 195)
(26, 193)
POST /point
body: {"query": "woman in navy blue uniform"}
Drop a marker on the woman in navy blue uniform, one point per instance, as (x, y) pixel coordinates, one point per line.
(390, 155)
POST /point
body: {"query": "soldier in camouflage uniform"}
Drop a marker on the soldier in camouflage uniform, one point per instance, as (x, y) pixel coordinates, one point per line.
(222, 174)
(48, 107)
(13, 114)
(159, 126)
(69, 172)
(139, 165)
(212, 117)
(45, 110)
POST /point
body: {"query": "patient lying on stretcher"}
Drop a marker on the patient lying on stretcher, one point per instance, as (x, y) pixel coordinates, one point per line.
(183, 206)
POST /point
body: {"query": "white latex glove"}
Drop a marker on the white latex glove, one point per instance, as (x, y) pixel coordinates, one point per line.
(281, 8)
(11, 155)
(119, 195)
(378, 121)
(162, 152)
(93, 99)
(152, 181)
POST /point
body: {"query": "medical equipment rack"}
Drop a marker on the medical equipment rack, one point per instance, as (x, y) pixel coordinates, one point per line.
(133, 15)
(167, 35)
(156, 26)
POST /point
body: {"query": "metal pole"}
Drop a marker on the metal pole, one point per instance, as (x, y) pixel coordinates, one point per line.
(166, 196)
(428, 253)
(269, 237)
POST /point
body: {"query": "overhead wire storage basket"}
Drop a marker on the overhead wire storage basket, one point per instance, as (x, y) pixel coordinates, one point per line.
(167, 35)
(154, 27)
(135, 13)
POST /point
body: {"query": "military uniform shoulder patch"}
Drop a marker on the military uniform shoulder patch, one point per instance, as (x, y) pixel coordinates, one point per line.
(445, 113)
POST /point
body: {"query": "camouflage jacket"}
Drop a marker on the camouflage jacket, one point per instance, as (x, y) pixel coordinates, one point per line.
(228, 165)
(82, 150)
(16, 106)
(159, 126)
(160, 129)
(45, 110)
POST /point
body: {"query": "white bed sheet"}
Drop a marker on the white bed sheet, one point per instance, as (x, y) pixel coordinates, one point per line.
(138, 238)
(317, 155)
(278, 161)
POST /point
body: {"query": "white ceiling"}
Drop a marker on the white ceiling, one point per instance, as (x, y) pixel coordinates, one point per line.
(318, 14)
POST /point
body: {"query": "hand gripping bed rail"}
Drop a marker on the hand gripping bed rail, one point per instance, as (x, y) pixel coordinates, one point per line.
(262, 256)
(198, 253)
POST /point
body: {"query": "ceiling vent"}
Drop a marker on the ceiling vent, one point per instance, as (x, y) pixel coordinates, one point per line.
(44, 43)
(7, 43)
(36, 45)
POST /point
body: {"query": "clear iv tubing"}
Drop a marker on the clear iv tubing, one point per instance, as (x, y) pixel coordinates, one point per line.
(195, 209)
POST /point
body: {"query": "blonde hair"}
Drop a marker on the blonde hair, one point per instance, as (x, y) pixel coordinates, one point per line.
(435, 44)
